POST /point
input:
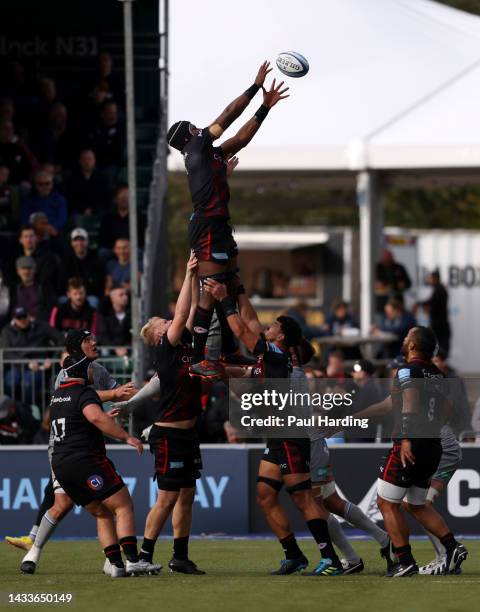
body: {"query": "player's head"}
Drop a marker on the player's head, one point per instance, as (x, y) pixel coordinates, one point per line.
(419, 342)
(304, 351)
(180, 134)
(154, 330)
(285, 331)
(76, 366)
(81, 342)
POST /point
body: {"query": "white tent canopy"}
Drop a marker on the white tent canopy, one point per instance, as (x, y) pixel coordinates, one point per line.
(392, 83)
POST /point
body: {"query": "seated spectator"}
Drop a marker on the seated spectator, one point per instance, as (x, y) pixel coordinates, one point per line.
(367, 392)
(9, 201)
(76, 313)
(114, 323)
(107, 138)
(23, 333)
(391, 280)
(335, 368)
(48, 239)
(83, 263)
(115, 224)
(18, 421)
(299, 312)
(106, 75)
(36, 299)
(87, 189)
(47, 269)
(118, 269)
(44, 198)
(54, 141)
(337, 322)
(16, 155)
(47, 97)
(4, 301)
(396, 320)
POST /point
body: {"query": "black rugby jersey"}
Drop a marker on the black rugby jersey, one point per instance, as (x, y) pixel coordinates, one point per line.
(207, 176)
(72, 434)
(272, 361)
(180, 394)
(430, 383)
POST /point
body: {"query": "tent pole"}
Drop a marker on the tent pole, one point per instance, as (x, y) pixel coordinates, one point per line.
(371, 227)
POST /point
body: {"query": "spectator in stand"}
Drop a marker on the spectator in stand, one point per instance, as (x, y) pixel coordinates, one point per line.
(337, 322)
(107, 139)
(22, 333)
(4, 300)
(87, 189)
(106, 75)
(9, 201)
(437, 309)
(367, 392)
(47, 98)
(76, 313)
(392, 280)
(44, 198)
(459, 419)
(54, 141)
(299, 312)
(83, 263)
(396, 320)
(16, 155)
(118, 269)
(114, 324)
(36, 299)
(47, 269)
(48, 239)
(115, 224)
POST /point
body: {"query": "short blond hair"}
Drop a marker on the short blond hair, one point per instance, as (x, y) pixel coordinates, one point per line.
(146, 330)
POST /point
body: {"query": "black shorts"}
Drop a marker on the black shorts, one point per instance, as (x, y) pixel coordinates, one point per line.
(292, 456)
(211, 239)
(93, 478)
(177, 457)
(427, 452)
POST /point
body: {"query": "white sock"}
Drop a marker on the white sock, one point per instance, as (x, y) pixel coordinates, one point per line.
(440, 549)
(359, 519)
(45, 529)
(340, 540)
(33, 532)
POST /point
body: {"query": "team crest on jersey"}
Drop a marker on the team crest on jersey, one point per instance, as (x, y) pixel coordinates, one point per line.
(95, 482)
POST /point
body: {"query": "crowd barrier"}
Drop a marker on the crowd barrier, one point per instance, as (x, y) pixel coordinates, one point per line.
(225, 497)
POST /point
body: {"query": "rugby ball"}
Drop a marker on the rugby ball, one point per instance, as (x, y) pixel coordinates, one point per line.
(292, 64)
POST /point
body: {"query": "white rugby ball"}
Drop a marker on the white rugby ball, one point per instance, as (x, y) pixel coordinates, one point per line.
(292, 64)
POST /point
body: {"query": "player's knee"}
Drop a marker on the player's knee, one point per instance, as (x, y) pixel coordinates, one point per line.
(384, 504)
(166, 500)
(186, 497)
(266, 495)
(414, 509)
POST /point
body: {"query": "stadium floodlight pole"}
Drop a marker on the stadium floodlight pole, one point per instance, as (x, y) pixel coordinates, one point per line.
(132, 193)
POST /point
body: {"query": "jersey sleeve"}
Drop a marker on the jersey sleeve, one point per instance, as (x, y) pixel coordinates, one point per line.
(102, 379)
(187, 337)
(407, 379)
(87, 397)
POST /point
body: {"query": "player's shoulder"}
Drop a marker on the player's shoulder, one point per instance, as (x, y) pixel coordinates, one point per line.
(88, 394)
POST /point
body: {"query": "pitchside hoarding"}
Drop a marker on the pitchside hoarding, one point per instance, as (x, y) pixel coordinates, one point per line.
(225, 500)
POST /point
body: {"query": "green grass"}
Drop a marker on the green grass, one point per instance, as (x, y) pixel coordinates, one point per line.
(237, 580)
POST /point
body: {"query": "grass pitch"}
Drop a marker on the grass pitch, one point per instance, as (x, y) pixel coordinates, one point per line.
(237, 580)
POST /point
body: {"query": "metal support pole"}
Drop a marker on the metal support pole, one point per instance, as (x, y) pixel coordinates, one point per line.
(370, 227)
(137, 346)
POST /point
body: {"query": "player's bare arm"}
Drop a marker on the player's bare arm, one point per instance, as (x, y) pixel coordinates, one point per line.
(119, 394)
(237, 106)
(184, 302)
(194, 300)
(410, 398)
(247, 132)
(378, 409)
(106, 425)
(249, 314)
(237, 324)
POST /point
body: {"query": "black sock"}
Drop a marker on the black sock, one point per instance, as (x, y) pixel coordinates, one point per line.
(201, 325)
(129, 546)
(146, 551)
(229, 343)
(404, 554)
(290, 547)
(114, 555)
(449, 541)
(319, 530)
(47, 502)
(180, 548)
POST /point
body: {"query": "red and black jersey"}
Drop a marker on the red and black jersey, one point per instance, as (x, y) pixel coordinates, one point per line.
(207, 176)
(430, 383)
(73, 436)
(180, 394)
(272, 361)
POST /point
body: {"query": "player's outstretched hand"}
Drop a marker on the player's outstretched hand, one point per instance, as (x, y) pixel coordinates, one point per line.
(125, 392)
(192, 264)
(232, 163)
(406, 455)
(136, 443)
(262, 73)
(276, 93)
(218, 290)
(113, 412)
